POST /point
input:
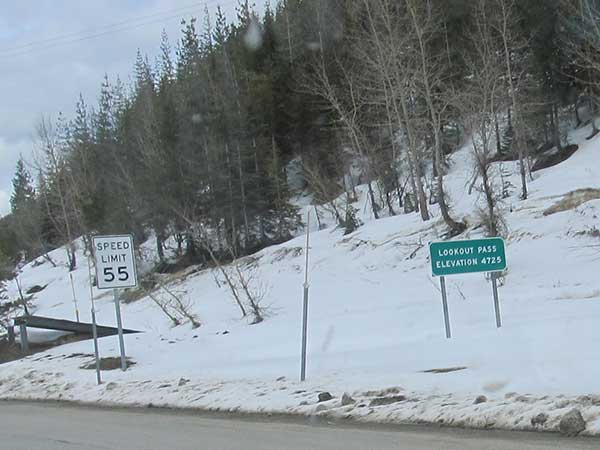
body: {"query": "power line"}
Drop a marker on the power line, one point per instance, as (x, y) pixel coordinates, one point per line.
(98, 29)
(55, 42)
(85, 38)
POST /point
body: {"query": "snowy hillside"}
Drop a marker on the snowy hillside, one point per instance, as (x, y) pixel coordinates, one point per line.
(375, 322)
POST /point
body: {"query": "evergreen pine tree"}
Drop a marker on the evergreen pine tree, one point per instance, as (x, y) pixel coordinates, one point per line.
(23, 191)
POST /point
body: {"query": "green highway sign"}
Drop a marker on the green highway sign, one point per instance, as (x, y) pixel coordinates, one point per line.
(476, 255)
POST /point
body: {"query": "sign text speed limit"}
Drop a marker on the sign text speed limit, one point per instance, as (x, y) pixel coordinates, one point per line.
(115, 262)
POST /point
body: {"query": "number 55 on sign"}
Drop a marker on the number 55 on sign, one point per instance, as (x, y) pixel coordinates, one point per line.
(115, 262)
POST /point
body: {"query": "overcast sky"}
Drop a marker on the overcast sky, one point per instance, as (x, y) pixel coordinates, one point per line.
(51, 50)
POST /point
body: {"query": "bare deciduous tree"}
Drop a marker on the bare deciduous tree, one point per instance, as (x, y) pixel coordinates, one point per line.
(59, 195)
(325, 189)
(252, 288)
(182, 305)
(581, 40)
(175, 305)
(387, 36)
(425, 22)
(348, 102)
(484, 96)
(504, 22)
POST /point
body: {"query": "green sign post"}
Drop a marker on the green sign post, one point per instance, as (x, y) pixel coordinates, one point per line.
(468, 256)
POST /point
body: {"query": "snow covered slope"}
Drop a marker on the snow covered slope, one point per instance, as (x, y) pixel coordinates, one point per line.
(376, 326)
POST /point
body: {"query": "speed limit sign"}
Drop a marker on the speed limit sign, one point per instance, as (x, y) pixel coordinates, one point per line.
(115, 261)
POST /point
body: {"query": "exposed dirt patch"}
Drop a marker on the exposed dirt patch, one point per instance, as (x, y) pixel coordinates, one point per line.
(445, 370)
(12, 352)
(383, 392)
(573, 199)
(35, 289)
(592, 135)
(9, 352)
(110, 363)
(504, 157)
(383, 401)
(79, 355)
(553, 158)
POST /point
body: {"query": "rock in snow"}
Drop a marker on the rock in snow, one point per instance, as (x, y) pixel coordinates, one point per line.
(325, 397)
(480, 399)
(347, 400)
(539, 420)
(572, 423)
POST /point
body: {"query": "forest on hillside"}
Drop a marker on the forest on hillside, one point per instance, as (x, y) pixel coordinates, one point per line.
(374, 92)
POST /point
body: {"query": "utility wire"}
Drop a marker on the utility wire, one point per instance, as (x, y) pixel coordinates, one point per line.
(97, 29)
(58, 42)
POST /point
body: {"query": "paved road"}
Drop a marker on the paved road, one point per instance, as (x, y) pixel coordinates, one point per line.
(35, 426)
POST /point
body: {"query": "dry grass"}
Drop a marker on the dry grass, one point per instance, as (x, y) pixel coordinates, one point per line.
(110, 363)
(286, 252)
(573, 199)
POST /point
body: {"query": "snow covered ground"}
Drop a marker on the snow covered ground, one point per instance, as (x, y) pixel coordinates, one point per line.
(375, 323)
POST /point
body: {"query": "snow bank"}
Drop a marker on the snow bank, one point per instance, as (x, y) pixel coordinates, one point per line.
(376, 325)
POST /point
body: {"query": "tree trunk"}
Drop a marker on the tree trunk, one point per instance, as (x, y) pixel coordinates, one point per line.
(498, 138)
(413, 184)
(434, 164)
(190, 247)
(179, 239)
(233, 229)
(243, 197)
(592, 106)
(421, 196)
(523, 171)
(388, 202)
(416, 162)
(489, 197)
(374, 205)
(399, 192)
(455, 227)
(160, 246)
(72, 257)
(555, 126)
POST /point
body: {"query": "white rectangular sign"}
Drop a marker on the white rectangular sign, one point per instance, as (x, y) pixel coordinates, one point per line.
(115, 262)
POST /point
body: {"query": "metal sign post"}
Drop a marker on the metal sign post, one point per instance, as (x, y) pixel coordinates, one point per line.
(468, 256)
(23, 338)
(94, 326)
(305, 304)
(96, 352)
(496, 302)
(120, 330)
(445, 307)
(115, 269)
(74, 296)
